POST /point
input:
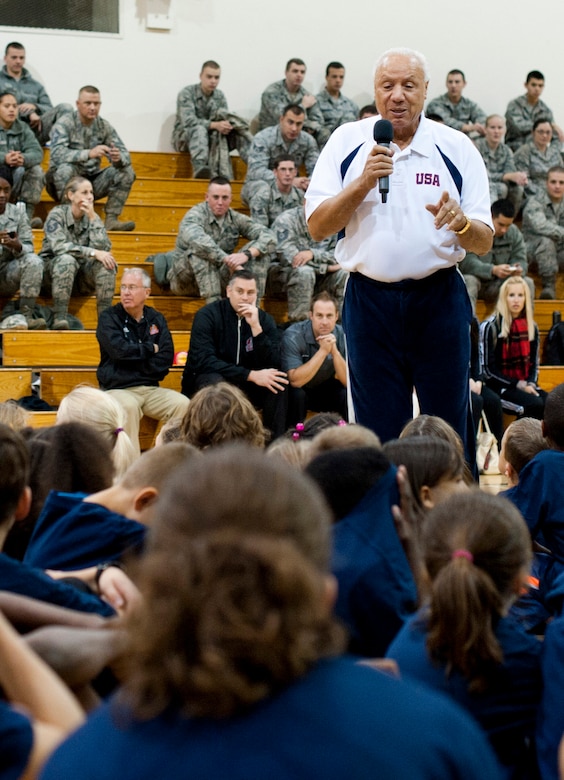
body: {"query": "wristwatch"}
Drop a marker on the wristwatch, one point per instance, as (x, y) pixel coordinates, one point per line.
(248, 254)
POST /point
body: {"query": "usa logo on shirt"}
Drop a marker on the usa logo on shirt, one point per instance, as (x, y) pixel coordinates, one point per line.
(428, 178)
(249, 344)
(153, 330)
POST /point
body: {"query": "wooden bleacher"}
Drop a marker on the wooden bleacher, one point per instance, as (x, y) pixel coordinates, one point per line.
(160, 197)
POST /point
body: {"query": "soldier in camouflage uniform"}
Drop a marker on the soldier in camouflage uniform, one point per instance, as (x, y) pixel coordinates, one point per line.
(76, 251)
(274, 197)
(504, 178)
(79, 141)
(523, 112)
(306, 266)
(543, 231)
(34, 106)
(484, 275)
(286, 138)
(455, 110)
(537, 156)
(21, 152)
(335, 107)
(20, 269)
(204, 257)
(205, 127)
(289, 90)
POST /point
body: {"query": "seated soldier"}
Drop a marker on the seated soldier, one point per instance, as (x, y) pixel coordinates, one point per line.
(271, 198)
(79, 141)
(20, 268)
(290, 90)
(505, 180)
(136, 353)
(21, 153)
(314, 358)
(543, 231)
(537, 155)
(305, 266)
(484, 275)
(232, 340)
(456, 110)
(287, 137)
(205, 255)
(76, 251)
(205, 127)
(335, 107)
(34, 105)
(523, 112)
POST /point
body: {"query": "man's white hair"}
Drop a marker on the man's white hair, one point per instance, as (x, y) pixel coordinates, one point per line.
(403, 51)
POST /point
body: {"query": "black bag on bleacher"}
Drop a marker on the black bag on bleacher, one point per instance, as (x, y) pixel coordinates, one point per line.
(553, 353)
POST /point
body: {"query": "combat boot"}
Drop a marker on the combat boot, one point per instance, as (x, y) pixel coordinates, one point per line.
(113, 223)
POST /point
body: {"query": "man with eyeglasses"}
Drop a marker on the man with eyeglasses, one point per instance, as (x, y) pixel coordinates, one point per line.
(136, 353)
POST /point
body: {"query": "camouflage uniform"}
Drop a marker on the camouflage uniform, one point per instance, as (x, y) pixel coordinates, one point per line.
(520, 117)
(266, 147)
(477, 271)
(28, 90)
(23, 272)
(71, 142)
(536, 165)
(276, 97)
(336, 110)
(456, 114)
(268, 202)
(28, 180)
(301, 283)
(499, 162)
(202, 244)
(194, 113)
(66, 250)
(543, 231)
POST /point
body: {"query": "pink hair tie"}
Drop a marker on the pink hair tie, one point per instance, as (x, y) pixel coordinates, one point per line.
(342, 422)
(298, 431)
(463, 554)
(117, 430)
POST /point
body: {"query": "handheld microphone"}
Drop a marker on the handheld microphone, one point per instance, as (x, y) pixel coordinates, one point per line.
(383, 135)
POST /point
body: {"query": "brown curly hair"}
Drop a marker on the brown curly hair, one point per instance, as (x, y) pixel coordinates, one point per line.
(233, 582)
(220, 413)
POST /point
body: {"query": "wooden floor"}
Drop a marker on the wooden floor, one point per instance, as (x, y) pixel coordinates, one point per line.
(161, 195)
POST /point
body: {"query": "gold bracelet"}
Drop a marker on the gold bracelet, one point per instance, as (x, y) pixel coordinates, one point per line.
(465, 228)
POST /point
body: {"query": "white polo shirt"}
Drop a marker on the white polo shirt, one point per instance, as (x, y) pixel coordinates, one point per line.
(398, 240)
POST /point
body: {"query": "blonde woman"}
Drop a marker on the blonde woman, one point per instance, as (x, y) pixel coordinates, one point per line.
(511, 349)
(94, 407)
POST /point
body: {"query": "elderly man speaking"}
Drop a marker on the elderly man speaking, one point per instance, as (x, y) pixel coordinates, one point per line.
(406, 313)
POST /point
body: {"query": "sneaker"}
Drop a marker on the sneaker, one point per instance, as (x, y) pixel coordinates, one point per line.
(547, 294)
(113, 223)
(203, 173)
(60, 323)
(33, 323)
(36, 223)
(14, 322)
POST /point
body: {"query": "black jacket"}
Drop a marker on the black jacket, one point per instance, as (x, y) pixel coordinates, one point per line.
(222, 343)
(127, 356)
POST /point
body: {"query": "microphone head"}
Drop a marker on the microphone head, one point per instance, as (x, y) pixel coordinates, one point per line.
(383, 131)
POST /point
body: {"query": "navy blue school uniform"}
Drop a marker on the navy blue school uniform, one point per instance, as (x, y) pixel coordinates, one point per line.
(508, 709)
(341, 720)
(551, 714)
(539, 496)
(376, 592)
(16, 741)
(73, 534)
(18, 577)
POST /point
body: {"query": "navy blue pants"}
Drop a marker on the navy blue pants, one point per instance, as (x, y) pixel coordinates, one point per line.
(414, 333)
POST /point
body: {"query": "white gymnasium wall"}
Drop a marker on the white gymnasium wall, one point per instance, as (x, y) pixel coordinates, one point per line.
(141, 71)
